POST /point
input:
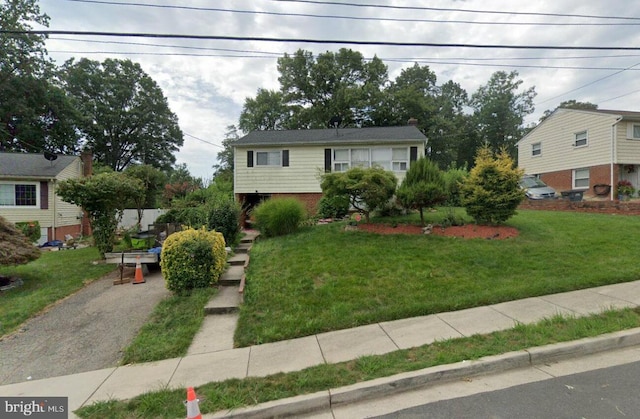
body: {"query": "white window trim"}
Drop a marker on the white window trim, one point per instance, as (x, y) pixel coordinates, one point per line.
(586, 139)
(36, 206)
(256, 164)
(348, 162)
(630, 130)
(574, 178)
(539, 149)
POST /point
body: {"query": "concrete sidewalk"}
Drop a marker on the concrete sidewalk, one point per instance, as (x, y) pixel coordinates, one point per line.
(194, 370)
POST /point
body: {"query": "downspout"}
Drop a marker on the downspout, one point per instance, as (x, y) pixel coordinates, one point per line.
(613, 154)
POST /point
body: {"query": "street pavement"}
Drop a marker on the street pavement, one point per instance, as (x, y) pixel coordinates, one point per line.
(128, 381)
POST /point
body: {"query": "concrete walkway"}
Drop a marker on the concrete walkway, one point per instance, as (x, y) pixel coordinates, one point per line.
(212, 363)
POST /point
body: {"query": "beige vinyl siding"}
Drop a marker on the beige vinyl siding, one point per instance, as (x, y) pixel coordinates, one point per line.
(627, 149)
(556, 136)
(306, 165)
(66, 214)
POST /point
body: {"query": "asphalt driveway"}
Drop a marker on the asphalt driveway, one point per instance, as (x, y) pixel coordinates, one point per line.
(86, 331)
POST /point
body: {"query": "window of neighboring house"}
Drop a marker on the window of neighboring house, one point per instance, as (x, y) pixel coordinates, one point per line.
(19, 194)
(536, 149)
(268, 158)
(341, 160)
(580, 139)
(581, 178)
(381, 157)
(633, 131)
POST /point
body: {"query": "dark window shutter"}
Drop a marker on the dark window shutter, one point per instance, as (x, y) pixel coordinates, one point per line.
(44, 195)
(285, 158)
(327, 160)
(250, 158)
(413, 154)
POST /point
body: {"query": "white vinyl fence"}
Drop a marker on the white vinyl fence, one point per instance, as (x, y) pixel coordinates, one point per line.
(130, 218)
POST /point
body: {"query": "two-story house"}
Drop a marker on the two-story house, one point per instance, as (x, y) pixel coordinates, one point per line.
(584, 150)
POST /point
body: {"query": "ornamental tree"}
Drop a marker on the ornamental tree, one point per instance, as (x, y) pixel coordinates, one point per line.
(103, 197)
(367, 188)
(492, 192)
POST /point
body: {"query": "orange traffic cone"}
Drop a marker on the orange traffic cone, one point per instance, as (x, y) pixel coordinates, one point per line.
(139, 279)
(193, 410)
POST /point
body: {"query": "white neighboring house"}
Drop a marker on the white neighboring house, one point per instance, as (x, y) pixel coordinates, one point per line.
(588, 151)
(288, 163)
(27, 192)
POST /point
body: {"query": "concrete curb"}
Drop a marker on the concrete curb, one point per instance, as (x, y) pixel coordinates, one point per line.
(386, 386)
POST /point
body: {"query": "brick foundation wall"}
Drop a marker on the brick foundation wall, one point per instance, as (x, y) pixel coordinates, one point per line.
(598, 175)
(73, 230)
(310, 200)
(597, 206)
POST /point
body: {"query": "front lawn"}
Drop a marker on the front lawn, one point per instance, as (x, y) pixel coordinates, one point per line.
(324, 278)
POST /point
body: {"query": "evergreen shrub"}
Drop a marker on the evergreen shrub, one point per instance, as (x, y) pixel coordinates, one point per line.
(223, 215)
(193, 259)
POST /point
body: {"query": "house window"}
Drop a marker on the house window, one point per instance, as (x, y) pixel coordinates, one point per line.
(268, 158)
(396, 159)
(360, 157)
(581, 178)
(580, 139)
(536, 149)
(18, 195)
(399, 159)
(633, 131)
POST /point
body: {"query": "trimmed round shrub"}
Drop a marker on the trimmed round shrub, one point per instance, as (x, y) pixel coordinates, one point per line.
(278, 216)
(192, 259)
(223, 215)
(336, 206)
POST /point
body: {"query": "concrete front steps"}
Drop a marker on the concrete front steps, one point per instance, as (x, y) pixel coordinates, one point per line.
(219, 325)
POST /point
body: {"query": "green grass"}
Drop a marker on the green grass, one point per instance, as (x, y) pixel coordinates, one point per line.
(327, 279)
(48, 279)
(236, 393)
(171, 328)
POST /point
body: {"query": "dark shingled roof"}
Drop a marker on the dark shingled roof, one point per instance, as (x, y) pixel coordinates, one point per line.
(32, 165)
(624, 114)
(330, 136)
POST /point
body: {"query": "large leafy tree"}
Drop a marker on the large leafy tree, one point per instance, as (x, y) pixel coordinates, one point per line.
(224, 168)
(153, 181)
(266, 111)
(126, 118)
(103, 197)
(500, 108)
(35, 115)
(340, 84)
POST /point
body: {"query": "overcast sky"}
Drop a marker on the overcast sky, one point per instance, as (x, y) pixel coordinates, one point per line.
(207, 81)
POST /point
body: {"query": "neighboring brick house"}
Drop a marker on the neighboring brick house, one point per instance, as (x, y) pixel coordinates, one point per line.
(27, 192)
(289, 163)
(589, 151)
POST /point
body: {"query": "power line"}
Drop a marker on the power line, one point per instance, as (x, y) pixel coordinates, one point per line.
(361, 18)
(589, 84)
(200, 139)
(317, 41)
(440, 9)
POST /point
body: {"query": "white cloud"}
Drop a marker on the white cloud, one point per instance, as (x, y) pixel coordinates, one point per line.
(207, 93)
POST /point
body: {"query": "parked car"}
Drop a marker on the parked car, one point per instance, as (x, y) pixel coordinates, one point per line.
(535, 188)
